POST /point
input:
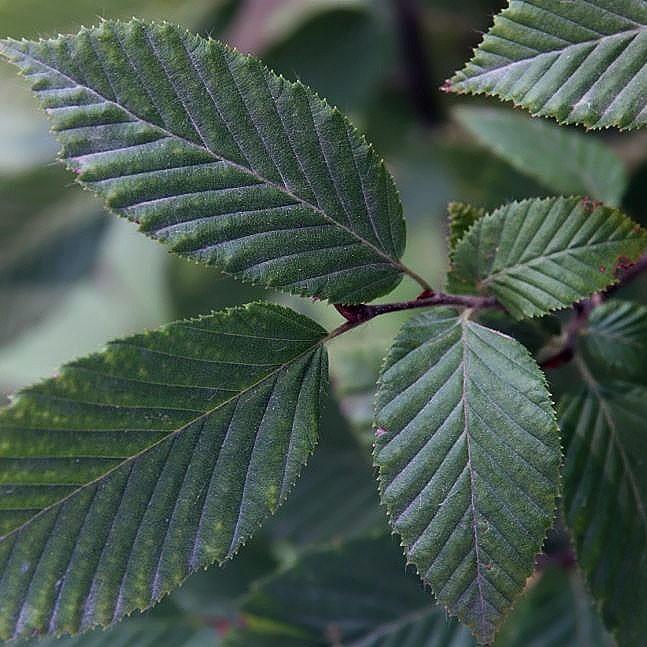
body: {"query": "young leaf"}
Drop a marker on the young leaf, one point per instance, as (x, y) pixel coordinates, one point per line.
(564, 161)
(616, 336)
(468, 453)
(355, 594)
(580, 62)
(140, 464)
(605, 499)
(222, 160)
(461, 217)
(540, 255)
(555, 611)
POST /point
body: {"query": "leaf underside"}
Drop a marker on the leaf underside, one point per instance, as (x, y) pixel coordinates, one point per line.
(158, 456)
(563, 160)
(468, 454)
(540, 255)
(581, 62)
(605, 499)
(220, 159)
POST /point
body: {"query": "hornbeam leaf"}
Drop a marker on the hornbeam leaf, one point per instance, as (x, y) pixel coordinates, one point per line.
(564, 161)
(605, 499)
(468, 455)
(539, 255)
(580, 62)
(616, 336)
(158, 456)
(219, 158)
(461, 217)
(357, 594)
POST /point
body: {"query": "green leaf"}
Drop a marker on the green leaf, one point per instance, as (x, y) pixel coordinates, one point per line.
(564, 161)
(468, 455)
(219, 158)
(580, 62)
(605, 498)
(536, 256)
(49, 240)
(555, 611)
(616, 337)
(355, 594)
(461, 217)
(143, 463)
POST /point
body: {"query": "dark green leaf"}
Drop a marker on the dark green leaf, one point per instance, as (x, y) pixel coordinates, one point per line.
(563, 160)
(468, 452)
(580, 62)
(555, 611)
(616, 337)
(605, 498)
(356, 594)
(219, 158)
(541, 255)
(141, 464)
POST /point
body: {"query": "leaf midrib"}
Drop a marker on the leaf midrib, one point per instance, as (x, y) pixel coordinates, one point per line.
(283, 189)
(172, 434)
(538, 259)
(559, 52)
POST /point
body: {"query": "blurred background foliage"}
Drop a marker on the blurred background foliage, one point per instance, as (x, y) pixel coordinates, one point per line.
(72, 277)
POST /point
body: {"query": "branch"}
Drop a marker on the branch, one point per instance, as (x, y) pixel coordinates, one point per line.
(357, 314)
(582, 311)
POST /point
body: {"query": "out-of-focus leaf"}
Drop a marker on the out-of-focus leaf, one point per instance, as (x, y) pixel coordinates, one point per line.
(616, 337)
(580, 62)
(49, 239)
(360, 46)
(355, 594)
(555, 611)
(468, 455)
(536, 256)
(564, 161)
(605, 498)
(133, 457)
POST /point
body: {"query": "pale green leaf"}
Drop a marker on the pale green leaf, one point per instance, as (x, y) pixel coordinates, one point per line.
(564, 161)
(578, 61)
(222, 160)
(616, 337)
(605, 499)
(468, 455)
(536, 255)
(357, 595)
(143, 463)
(556, 611)
(461, 217)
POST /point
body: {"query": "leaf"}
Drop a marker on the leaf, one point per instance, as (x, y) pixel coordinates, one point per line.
(355, 594)
(605, 498)
(461, 217)
(219, 158)
(468, 455)
(536, 256)
(44, 251)
(142, 632)
(555, 611)
(141, 464)
(563, 160)
(616, 336)
(580, 62)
